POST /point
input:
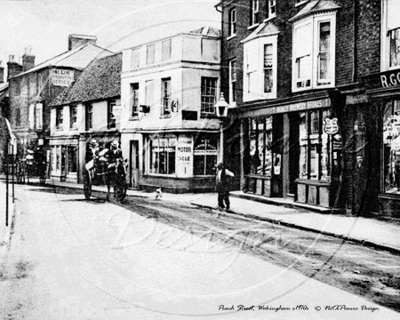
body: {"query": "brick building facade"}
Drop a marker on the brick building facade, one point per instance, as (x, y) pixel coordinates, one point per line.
(308, 129)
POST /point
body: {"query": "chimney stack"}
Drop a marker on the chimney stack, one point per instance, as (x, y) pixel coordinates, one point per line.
(77, 40)
(14, 68)
(1, 72)
(28, 59)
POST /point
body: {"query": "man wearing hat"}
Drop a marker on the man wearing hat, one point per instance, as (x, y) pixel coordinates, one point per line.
(113, 155)
(223, 186)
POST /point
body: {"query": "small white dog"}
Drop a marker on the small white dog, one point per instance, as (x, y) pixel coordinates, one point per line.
(158, 194)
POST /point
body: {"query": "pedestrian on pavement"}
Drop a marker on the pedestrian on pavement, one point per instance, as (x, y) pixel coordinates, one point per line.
(223, 185)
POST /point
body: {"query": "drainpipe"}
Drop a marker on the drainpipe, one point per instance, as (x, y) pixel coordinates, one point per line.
(355, 29)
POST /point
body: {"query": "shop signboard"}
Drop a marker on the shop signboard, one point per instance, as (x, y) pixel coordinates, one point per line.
(62, 77)
(331, 126)
(184, 156)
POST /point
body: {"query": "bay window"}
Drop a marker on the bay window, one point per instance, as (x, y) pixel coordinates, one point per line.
(390, 35)
(261, 156)
(314, 52)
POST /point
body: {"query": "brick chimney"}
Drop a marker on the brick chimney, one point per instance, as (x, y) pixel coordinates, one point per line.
(13, 67)
(1, 72)
(77, 40)
(28, 60)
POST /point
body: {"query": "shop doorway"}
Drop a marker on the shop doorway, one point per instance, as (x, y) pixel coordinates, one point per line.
(134, 164)
(294, 154)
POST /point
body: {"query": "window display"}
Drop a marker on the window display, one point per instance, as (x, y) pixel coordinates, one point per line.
(315, 142)
(260, 146)
(205, 155)
(163, 154)
(391, 145)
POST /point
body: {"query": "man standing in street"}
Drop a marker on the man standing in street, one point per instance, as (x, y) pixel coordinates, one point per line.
(223, 186)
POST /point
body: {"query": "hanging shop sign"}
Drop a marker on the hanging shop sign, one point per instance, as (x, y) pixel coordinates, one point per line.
(62, 77)
(331, 126)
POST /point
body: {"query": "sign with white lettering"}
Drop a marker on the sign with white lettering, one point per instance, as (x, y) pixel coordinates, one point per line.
(62, 77)
(331, 126)
(184, 156)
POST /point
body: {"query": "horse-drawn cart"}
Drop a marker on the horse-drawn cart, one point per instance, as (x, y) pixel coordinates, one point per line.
(34, 164)
(101, 171)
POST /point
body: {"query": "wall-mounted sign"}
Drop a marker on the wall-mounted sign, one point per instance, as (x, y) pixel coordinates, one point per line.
(184, 156)
(385, 79)
(331, 126)
(62, 77)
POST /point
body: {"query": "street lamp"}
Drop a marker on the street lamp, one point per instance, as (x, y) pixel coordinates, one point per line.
(221, 111)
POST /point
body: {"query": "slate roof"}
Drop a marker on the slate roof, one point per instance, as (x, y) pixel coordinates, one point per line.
(77, 58)
(100, 80)
(315, 6)
(267, 28)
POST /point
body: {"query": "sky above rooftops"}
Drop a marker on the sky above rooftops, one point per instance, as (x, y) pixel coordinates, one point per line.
(45, 25)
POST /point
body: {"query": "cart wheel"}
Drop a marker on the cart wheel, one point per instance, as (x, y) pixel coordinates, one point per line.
(120, 191)
(87, 187)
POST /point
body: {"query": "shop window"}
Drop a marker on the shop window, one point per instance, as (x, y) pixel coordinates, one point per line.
(111, 122)
(232, 81)
(254, 12)
(135, 58)
(208, 95)
(391, 145)
(261, 156)
(313, 65)
(205, 155)
(315, 161)
(150, 52)
(89, 116)
(135, 100)
(166, 97)
(232, 22)
(163, 154)
(73, 116)
(72, 159)
(59, 118)
(166, 50)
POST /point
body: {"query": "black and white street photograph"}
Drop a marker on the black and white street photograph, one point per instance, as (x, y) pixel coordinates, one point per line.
(199, 159)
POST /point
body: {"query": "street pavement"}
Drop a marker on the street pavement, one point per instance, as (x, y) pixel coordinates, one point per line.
(77, 259)
(367, 231)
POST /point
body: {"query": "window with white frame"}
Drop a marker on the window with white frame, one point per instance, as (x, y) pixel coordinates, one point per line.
(73, 116)
(260, 68)
(270, 8)
(314, 52)
(232, 81)
(39, 116)
(166, 50)
(232, 22)
(135, 58)
(135, 100)
(89, 116)
(254, 12)
(166, 97)
(162, 154)
(390, 35)
(31, 116)
(59, 117)
(208, 95)
(150, 52)
(111, 121)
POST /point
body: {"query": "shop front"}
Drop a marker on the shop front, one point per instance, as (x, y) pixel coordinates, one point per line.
(294, 151)
(179, 162)
(383, 91)
(64, 158)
